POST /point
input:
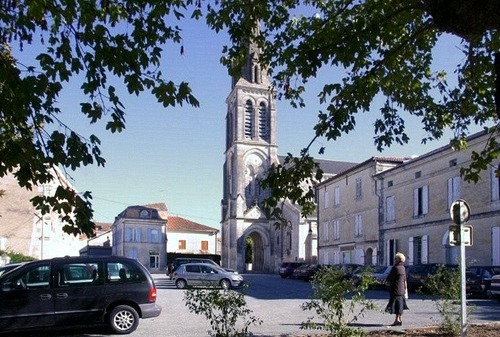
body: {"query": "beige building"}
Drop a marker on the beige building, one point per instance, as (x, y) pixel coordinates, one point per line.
(189, 237)
(139, 232)
(415, 213)
(385, 205)
(23, 229)
(348, 208)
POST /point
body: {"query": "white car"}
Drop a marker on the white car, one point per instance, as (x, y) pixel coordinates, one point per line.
(207, 275)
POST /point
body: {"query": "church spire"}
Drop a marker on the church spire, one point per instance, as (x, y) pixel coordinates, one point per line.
(252, 71)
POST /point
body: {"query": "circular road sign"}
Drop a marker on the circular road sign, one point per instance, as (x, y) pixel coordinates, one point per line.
(459, 211)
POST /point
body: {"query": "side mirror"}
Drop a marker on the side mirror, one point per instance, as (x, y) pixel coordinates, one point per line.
(7, 286)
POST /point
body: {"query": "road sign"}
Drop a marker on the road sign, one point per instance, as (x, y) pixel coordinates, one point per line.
(459, 211)
(456, 237)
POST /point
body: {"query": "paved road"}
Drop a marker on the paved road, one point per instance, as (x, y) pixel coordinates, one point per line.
(277, 302)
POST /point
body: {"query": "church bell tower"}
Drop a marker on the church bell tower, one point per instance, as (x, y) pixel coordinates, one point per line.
(250, 150)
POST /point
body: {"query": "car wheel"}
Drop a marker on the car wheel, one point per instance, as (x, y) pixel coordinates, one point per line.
(123, 319)
(181, 284)
(225, 284)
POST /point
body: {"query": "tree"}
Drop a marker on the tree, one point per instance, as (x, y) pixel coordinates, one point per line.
(383, 49)
(92, 41)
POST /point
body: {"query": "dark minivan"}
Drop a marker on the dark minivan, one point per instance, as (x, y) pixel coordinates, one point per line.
(77, 291)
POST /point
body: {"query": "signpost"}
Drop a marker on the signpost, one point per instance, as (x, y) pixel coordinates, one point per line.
(461, 235)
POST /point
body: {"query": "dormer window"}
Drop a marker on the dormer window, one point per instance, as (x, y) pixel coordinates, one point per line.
(144, 214)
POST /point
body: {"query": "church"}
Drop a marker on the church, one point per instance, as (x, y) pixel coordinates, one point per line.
(251, 148)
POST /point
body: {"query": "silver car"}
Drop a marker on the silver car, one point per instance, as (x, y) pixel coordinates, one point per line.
(207, 275)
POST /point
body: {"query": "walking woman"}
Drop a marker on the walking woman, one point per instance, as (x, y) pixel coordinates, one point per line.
(397, 289)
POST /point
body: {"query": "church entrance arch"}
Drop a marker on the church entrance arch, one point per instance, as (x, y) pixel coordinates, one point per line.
(257, 252)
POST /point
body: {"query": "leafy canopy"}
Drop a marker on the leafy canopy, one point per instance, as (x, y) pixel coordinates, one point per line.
(380, 49)
(94, 42)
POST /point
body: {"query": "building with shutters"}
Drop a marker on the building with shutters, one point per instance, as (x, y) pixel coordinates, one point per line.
(406, 208)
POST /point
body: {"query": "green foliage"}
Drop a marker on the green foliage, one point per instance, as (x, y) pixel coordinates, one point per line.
(376, 51)
(87, 41)
(224, 309)
(444, 287)
(338, 301)
(16, 257)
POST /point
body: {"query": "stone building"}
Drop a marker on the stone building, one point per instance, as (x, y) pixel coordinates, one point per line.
(415, 207)
(372, 211)
(23, 229)
(139, 232)
(251, 149)
(348, 207)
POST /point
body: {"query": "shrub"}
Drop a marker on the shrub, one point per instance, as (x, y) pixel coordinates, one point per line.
(338, 301)
(223, 309)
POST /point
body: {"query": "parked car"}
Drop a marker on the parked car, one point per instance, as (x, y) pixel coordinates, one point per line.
(495, 286)
(418, 274)
(77, 291)
(183, 260)
(478, 279)
(287, 268)
(377, 273)
(306, 272)
(9, 267)
(208, 275)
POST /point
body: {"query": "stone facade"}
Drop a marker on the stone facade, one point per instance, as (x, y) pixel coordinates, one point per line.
(139, 232)
(23, 229)
(348, 214)
(406, 208)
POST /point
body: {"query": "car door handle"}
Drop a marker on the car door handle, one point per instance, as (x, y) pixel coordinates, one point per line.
(62, 295)
(45, 297)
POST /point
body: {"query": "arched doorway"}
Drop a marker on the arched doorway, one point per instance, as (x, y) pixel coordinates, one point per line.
(257, 251)
(369, 257)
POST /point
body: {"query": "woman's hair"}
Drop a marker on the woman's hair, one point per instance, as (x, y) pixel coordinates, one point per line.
(400, 257)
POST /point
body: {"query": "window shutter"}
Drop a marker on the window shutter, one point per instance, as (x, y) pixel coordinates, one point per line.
(391, 211)
(425, 199)
(495, 246)
(450, 192)
(128, 234)
(494, 184)
(425, 248)
(410, 251)
(415, 202)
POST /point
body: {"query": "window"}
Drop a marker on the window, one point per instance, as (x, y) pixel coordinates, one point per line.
(327, 199)
(358, 225)
(34, 278)
(359, 192)
(420, 201)
(391, 250)
(417, 251)
(132, 234)
(336, 230)
(154, 235)
(249, 119)
(454, 189)
(453, 163)
(79, 274)
(325, 231)
(336, 196)
(120, 272)
(390, 183)
(263, 123)
(204, 245)
(390, 208)
(182, 244)
(154, 260)
(418, 174)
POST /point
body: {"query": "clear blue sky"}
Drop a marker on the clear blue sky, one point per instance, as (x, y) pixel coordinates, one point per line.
(175, 155)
